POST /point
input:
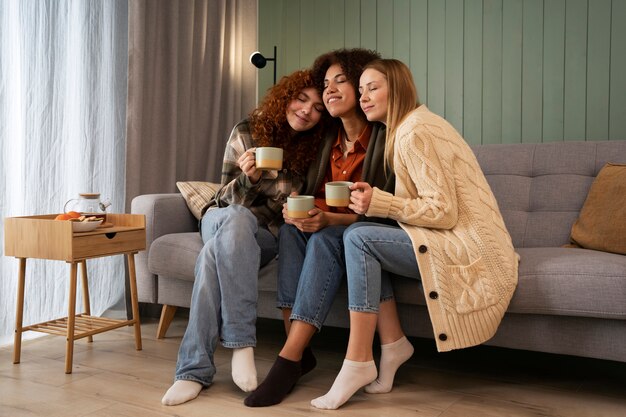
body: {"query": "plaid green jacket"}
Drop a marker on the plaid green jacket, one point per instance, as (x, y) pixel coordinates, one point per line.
(265, 199)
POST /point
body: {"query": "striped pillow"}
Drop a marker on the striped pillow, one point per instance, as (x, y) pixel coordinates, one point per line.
(197, 195)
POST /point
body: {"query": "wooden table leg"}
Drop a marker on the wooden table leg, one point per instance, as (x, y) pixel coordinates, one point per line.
(19, 311)
(133, 299)
(71, 313)
(86, 305)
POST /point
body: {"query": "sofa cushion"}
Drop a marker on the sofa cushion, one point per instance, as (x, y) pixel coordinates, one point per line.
(197, 195)
(558, 281)
(175, 255)
(602, 222)
(571, 282)
(541, 187)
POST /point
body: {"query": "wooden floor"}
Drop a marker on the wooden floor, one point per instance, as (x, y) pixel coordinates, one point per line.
(110, 378)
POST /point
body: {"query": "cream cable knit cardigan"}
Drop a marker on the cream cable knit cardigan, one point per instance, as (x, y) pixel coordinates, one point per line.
(464, 252)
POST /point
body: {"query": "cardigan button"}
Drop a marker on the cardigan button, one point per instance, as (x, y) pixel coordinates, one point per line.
(422, 249)
(443, 337)
(433, 295)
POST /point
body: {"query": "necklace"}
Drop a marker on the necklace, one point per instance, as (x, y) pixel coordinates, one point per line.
(346, 144)
(345, 138)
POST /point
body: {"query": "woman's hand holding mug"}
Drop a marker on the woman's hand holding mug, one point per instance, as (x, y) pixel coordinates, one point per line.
(247, 163)
(360, 197)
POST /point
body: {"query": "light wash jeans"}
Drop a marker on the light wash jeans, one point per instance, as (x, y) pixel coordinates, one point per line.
(311, 267)
(371, 249)
(224, 297)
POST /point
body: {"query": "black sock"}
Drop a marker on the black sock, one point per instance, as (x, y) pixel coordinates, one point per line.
(277, 384)
(308, 360)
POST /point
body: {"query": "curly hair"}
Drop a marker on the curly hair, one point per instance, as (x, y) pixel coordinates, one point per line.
(269, 125)
(352, 62)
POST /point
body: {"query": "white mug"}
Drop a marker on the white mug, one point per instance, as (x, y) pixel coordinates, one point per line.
(338, 193)
(298, 206)
(269, 158)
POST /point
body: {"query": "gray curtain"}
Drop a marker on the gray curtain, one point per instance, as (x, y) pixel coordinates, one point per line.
(189, 82)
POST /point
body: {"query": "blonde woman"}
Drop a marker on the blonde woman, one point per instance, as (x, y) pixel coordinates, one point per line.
(451, 236)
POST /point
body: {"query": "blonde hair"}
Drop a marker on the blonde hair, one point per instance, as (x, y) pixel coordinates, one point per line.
(402, 98)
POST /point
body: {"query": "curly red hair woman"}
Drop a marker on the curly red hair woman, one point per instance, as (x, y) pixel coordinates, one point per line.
(269, 125)
(239, 233)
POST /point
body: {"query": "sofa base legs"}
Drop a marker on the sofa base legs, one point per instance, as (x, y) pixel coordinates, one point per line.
(167, 315)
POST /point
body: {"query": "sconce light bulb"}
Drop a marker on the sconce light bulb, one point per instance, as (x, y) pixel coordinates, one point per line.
(258, 60)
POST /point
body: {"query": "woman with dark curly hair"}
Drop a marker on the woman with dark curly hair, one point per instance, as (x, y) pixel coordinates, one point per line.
(311, 263)
(239, 232)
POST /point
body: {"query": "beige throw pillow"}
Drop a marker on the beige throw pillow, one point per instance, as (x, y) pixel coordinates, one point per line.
(198, 195)
(602, 221)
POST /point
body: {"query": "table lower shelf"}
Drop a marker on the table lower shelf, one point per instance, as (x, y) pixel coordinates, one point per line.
(84, 326)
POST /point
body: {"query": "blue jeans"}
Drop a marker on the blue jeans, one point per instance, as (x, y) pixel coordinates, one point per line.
(311, 267)
(224, 296)
(371, 249)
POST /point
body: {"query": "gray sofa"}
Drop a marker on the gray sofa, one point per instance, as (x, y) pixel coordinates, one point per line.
(568, 301)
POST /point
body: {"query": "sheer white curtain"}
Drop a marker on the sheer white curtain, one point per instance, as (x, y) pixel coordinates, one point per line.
(63, 73)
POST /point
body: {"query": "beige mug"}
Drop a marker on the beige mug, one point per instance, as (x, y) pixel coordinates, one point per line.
(269, 158)
(298, 206)
(338, 193)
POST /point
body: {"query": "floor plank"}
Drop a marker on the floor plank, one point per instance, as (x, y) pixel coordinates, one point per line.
(111, 378)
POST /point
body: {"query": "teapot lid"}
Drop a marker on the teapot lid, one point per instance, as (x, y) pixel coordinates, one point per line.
(89, 196)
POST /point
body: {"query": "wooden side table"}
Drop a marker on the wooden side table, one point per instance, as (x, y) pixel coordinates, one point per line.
(42, 237)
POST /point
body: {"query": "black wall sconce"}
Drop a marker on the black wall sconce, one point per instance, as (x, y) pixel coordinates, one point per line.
(259, 61)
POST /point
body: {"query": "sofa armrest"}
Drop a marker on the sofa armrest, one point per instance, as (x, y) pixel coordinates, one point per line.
(165, 214)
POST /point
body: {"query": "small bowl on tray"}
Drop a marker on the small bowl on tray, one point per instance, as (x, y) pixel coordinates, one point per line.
(86, 226)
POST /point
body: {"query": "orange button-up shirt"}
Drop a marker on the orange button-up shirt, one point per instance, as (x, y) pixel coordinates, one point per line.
(340, 169)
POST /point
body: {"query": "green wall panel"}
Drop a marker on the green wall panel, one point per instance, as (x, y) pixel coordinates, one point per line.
(385, 28)
(436, 58)
(575, 95)
(291, 45)
(501, 71)
(532, 70)
(336, 19)
(472, 128)
(402, 30)
(270, 35)
(492, 71)
(512, 71)
(617, 102)
(598, 69)
(309, 32)
(419, 46)
(453, 98)
(553, 71)
(368, 24)
(352, 24)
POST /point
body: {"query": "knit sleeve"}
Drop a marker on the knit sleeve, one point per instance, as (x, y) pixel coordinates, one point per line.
(379, 204)
(425, 184)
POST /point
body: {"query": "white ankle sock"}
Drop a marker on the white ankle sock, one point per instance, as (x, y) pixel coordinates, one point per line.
(353, 375)
(243, 369)
(181, 392)
(392, 356)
